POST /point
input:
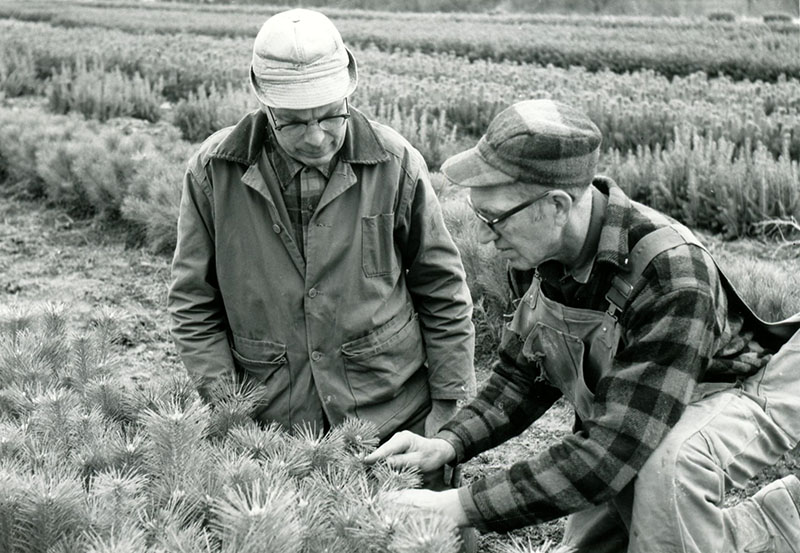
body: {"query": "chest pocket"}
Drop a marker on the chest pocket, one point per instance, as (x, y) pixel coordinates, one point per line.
(377, 245)
(561, 358)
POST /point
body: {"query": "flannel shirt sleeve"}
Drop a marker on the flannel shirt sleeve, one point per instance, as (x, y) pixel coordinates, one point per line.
(507, 404)
(670, 331)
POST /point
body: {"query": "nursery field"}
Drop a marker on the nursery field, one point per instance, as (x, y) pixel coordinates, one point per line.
(103, 446)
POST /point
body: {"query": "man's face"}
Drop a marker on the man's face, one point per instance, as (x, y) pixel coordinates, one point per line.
(311, 136)
(528, 237)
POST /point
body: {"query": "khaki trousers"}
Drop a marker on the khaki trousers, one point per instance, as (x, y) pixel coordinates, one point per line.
(675, 504)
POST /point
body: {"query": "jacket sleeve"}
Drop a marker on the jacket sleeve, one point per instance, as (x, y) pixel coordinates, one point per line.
(437, 283)
(194, 302)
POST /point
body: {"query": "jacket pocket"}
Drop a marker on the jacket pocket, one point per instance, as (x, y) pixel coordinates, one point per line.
(258, 360)
(379, 364)
(377, 245)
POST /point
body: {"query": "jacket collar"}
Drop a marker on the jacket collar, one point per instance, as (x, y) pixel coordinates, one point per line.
(244, 143)
(613, 246)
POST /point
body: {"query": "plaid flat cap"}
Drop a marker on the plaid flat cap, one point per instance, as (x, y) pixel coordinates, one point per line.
(540, 142)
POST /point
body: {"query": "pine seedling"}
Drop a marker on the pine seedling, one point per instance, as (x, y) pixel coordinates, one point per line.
(92, 445)
(289, 460)
(54, 417)
(127, 450)
(52, 509)
(112, 396)
(390, 478)
(168, 517)
(236, 471)
(23, 359)
(526, 545)
(259, 442)
(15, 400)
(233, 403)
(176, 453)
(12, 439)
(258, 521)
(12, 486)
(358, 437)
(190, 538)
(115, 497)
(357, 527)
(124, 538)
(424, 532)
(321, 450)
(14, 319)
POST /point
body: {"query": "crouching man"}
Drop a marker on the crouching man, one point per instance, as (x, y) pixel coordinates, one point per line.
(680, 391)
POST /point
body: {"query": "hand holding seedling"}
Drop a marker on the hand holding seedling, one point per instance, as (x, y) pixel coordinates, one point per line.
(406, 449)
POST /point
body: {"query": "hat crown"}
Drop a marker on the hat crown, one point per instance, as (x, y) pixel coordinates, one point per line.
(541, 141)
(298, 39)
(299, 61)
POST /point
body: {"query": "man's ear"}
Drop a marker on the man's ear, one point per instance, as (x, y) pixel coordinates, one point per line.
(563, 203)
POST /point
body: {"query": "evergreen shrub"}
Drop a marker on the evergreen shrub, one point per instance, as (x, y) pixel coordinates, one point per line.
(101, 94)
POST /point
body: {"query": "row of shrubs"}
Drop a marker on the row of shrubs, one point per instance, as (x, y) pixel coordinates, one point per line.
(772, 17)
(750, 52)
(202, 79)
(134, 178)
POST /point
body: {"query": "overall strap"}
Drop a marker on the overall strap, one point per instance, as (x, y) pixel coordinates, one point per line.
(666, 238)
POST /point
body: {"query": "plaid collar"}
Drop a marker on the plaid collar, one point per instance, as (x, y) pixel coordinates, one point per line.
(613, 247)
(287, 168)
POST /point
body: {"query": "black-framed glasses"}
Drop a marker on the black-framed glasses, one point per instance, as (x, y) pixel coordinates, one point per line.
(492, 221)
(296, 129)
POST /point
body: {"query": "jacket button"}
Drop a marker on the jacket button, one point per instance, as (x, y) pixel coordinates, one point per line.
(316, 356)
(277, 228)
(312, 293)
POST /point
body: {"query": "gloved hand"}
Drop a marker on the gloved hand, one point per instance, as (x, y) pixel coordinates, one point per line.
(442, 411)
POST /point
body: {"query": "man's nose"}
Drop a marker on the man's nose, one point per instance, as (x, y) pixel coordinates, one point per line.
(486, 234)
(314, 134)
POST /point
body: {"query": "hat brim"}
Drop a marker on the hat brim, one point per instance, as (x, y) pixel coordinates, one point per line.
(469, 169)
(311, 93)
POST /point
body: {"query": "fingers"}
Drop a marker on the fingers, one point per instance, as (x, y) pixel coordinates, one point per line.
(397, 444)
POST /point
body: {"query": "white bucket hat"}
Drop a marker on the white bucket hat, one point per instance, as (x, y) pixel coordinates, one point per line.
(300, 62)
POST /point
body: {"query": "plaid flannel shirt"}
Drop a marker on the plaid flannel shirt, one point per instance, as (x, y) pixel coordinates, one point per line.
(676, 332)
(302, 187)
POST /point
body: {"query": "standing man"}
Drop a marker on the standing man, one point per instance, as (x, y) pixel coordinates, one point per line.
(680, 391)
(312, 257)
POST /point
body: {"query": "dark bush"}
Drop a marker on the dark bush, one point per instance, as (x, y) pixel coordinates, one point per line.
(722, 16)
(777, 17)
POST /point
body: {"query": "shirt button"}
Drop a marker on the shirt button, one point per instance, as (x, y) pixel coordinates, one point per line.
(312, 293)
(277, 228)
(328, 399)
(316, 356)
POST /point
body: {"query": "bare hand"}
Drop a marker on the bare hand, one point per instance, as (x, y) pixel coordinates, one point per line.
(445, 503)
(406, 449)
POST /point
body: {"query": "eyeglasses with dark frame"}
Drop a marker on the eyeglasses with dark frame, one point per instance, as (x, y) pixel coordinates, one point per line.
(296, 129)
(491, 222)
